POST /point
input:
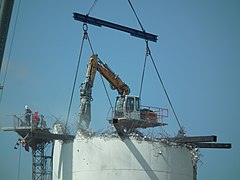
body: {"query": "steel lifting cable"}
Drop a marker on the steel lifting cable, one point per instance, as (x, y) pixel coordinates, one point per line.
(165, 91)
(19, 162)
(143, 72)
(91, 8)
(85, 36)
(10, 51)
(148, 52)
(106, 89)
(106, 92)
(100, 75)
(139, 22)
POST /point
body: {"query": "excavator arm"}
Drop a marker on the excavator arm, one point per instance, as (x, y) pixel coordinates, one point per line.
(92, 69)
(114, 80)
(94, 65)
(127, 113)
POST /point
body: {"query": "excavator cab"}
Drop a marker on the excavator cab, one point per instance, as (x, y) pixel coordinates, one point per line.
(127, 107)
(128, 114)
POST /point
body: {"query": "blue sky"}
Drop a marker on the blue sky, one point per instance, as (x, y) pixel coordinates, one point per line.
(197, 54)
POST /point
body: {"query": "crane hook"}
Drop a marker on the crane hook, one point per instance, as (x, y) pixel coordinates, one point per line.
(85, 27)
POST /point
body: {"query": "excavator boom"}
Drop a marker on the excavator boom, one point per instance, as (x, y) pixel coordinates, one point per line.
(113, 79)
(128, 114)
(94, 65)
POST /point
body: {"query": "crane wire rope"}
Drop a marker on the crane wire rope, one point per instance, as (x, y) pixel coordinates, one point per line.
(91, 8)
(165, 91)
(139, 22)
(104, 85)
(143, 72)
(85, 36)
(90, 44)
(10, 50)
(148, 52)
(19, 162)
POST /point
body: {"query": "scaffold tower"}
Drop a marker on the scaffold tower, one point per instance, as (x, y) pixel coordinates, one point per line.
(41, 141)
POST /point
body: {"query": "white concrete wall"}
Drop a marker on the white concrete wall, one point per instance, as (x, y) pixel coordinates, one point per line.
(62, 160)
(101, 158)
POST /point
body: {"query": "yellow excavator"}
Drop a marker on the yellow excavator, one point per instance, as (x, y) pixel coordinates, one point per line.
(128, 114)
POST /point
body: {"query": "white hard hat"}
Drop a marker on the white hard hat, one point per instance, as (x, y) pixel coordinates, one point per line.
(26, 107)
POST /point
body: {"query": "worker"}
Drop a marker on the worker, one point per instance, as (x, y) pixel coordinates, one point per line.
(17, 143)
(25, 144)
(27, 115)
(43, 122)
(35, 120)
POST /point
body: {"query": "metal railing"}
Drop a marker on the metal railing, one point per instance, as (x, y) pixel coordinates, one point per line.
(150, 113)
(14, 121)
(153, 113)
(10, 121)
